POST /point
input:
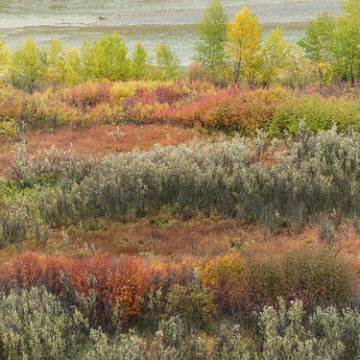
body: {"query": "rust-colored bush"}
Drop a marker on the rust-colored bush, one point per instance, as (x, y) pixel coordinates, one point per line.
(87, 94)
(124, 281)
(239, 287)
(242, 109)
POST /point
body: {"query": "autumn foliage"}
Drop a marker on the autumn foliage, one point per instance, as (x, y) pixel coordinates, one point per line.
(124, 281)
(239, 287)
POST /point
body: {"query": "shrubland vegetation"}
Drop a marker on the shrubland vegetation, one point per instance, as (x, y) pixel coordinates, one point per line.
(313, 176)
(282, 157)
(307, 177)
(277, 111)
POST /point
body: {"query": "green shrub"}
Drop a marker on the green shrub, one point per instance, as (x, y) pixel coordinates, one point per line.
(230, 343)
(13, 227)
(326, 334)
(171, 341)
(46, 167)
(194, 305)
(315, 174)
(316, 113)
(318, 278)
(34, 325)
(126, 347)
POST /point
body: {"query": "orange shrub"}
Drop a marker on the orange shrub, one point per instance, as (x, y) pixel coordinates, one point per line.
(224, 276)
(29, 270)
(244, 110)
(124, 281)
(238, 287)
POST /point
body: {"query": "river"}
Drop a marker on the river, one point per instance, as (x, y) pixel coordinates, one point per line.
(146, 21)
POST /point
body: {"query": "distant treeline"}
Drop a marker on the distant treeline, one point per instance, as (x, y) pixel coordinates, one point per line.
(225, 52)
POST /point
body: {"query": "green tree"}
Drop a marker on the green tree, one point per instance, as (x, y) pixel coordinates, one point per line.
(244, 44)
(61, 66)
(167, 62)
(53, 59)
(318, 44)
(72, 66)
(139, 62)
(26, 68)
(4, 58)
(210, 48)
(275, 56)
(347, 40)
(297, 72)
(106, 59)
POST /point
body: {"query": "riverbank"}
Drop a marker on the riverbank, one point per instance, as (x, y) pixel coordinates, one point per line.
(162, 22)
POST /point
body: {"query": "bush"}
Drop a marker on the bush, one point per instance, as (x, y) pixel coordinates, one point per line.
(318, 278)
(193, 305)
(316, 113)
(127, 347)
(314, 175)
(45, 168)
(34, 325)
(87, 94)
(171, 341)
(243, 288)
(13, 227)
(230, 343)
(118, 284)
(94, 103)
(233, 109)
(289, 334)
(119, 292)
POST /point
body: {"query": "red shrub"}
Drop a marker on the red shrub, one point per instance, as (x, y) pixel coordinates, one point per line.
(169, 95)
(29, 270)
(87, 94)
(244, 110)
(124, 281)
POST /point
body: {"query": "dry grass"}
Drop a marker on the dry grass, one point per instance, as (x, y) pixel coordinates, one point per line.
(167, 238)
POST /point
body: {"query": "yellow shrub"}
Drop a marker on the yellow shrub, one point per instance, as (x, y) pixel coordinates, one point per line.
(215, 270)
(121, 90)
(8, 130)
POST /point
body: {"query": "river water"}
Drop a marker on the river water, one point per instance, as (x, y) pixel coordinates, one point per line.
(146, 21)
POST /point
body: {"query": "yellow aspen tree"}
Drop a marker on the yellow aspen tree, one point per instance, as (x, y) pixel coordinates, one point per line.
(244, 43)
